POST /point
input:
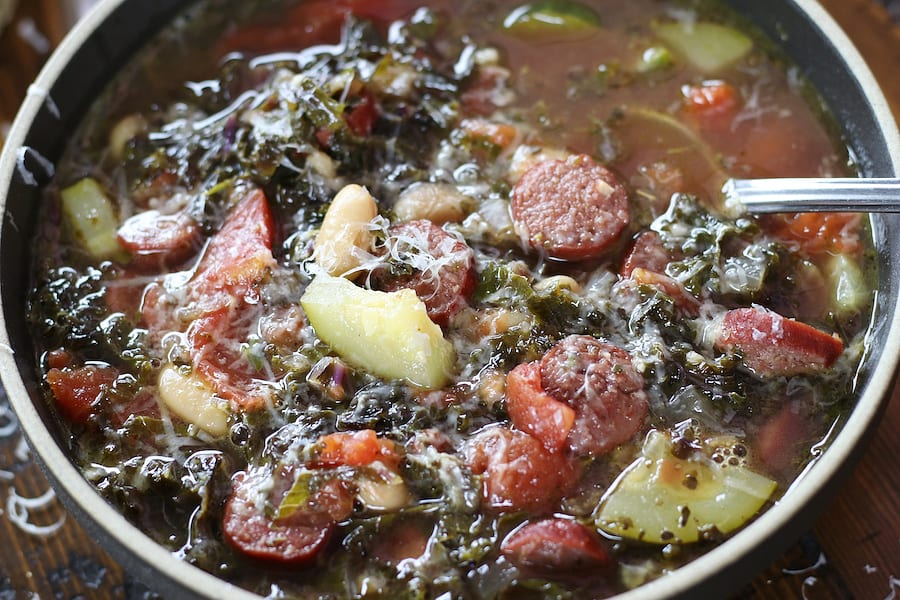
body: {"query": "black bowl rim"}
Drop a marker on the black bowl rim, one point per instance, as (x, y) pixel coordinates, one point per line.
(153, 564)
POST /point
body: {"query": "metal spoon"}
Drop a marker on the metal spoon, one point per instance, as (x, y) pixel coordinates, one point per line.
(814, 195)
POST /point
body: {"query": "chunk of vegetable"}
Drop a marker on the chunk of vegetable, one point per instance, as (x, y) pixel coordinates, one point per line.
(386, 334)
(653, 59)
(711, 47)
(193, 400)
(344, 236)
(662, 499)
(93, 219)
(538, 19)
(849, 289)
(381, 489)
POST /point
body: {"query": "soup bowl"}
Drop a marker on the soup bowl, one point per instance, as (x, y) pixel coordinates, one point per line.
(103, 42)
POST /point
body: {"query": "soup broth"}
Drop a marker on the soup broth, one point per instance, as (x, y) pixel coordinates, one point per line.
(427, 299)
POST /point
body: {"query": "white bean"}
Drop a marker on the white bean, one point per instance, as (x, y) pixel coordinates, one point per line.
(438, 202)
(123, 132)
(345, 236)
(190, 398)
(558, 282)
(383, 490)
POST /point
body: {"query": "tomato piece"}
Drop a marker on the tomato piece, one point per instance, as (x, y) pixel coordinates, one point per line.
(295, 539)
(518, 472)
(76, 389)
(817, 234)
(773, 345)
(354, 449)
(239, 255)
(554, 544)
(713, 99)
(534, 411)
(156, 240)
(501, 135)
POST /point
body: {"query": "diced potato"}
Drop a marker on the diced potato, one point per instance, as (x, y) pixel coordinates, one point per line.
(848, 288)
(191, 399)
(711, 47)
(93, 219)
(387, 334)
(662, 499)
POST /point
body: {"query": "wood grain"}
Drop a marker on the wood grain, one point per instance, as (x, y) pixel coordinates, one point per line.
(852, 552)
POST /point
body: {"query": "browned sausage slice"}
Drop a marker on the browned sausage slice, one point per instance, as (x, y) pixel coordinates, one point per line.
(156, 240)
(554, 544)
(443, 275)
(296, 539)
(600, 382)
(648, 253)
(519, 473)
(572, 209)
(773, 345)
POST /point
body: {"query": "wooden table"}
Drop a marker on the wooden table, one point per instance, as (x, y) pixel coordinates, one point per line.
(853, 550)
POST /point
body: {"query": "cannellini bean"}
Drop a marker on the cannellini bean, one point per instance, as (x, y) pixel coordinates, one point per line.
(558, 281)
(123, 132)
(190, 398)
(345, 236)
(438, 202)
(526, 157)
(322, 164)
(383, 490)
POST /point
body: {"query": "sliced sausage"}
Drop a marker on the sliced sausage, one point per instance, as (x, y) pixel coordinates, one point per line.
(534, 411)
(156, 240)
(443, 267)
(646, 265)
(600, 382)
(296, 539)
(554, 545)
(216, 347)
(572, 209)
(773, 345)
(519, 473)
(672, 288)
(647, 252)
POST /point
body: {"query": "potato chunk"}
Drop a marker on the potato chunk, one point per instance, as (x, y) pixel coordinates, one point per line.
(386, 334)
(662, 499)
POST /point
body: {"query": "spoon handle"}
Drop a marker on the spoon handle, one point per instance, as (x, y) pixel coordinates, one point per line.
(815, 194)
